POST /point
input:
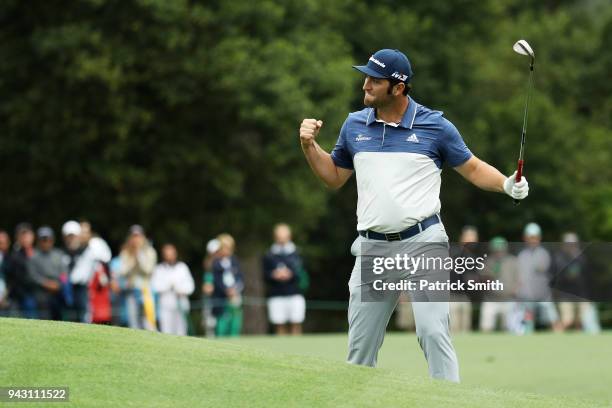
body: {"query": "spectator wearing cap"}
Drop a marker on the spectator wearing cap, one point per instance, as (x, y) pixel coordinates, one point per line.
(283, 274)
(534, 290)
(5, 246)
(500, 266)
(21, 288)
(137, 262)
(173, 283)
(75, 289)
(47, 266)
(228, 285)
(571, 266)
(209, 322)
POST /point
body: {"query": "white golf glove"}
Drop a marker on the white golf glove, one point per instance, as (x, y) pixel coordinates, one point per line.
(519, 190)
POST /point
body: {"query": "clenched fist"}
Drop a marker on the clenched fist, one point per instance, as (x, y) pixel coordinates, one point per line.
(309, 130)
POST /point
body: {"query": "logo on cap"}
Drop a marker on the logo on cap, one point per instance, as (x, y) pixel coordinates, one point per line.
(401, 77)
(377, 62)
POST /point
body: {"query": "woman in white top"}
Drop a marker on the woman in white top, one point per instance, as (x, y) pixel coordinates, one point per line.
(173, 282)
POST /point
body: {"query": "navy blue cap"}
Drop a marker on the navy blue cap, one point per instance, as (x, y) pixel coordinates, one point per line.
(45, 232)
(387, 64)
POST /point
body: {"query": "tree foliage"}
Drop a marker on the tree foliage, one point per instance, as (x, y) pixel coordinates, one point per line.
(183, 115)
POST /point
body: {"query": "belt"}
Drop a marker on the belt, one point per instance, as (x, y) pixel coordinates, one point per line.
(405, 234)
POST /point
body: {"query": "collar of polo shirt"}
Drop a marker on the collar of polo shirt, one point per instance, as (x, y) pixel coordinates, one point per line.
(388, 123)
(407, 120)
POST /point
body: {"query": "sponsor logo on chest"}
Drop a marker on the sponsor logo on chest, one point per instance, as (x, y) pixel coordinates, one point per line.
(412, 138)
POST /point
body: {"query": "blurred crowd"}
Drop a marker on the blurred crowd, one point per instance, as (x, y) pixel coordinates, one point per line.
(285, 278)
(544, 288)
(78, 279)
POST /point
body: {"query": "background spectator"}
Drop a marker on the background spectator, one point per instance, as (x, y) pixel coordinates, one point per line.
(95, 250)
(21, 288)
(99, 290)
(137, 262)
(283, 270)
(570, 280)
(118, 292)
(460, 303)
(228, 286)
(46, 267)
(209, 321)
(503, 267)
(534, 282)
(94, 272)
(5, 245)
(173, 282)
(75, 290)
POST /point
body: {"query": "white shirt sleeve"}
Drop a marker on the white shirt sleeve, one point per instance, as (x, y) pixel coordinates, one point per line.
(183, 282)
(161, 282)
(83, 268)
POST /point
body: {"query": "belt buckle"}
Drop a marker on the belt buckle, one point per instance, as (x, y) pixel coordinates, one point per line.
(394, 236)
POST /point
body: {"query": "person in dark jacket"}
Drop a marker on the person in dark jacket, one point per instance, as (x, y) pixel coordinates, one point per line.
(283, 274)
(228, 285)
(571, 283)
(21, 288)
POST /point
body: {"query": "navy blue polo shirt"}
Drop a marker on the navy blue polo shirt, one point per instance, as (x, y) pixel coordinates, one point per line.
(398, 166)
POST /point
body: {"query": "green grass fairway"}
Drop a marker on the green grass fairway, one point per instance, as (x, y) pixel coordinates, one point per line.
(575, 365)
(114, 367)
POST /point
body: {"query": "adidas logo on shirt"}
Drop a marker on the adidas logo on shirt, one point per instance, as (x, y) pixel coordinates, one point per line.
(413, 138)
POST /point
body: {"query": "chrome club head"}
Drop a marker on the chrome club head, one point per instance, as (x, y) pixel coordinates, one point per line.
(522, 47)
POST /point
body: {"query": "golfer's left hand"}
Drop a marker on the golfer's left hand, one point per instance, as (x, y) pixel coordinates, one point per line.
(519, 190)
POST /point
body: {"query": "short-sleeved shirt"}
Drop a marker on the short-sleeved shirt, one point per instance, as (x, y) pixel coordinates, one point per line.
(398, 166)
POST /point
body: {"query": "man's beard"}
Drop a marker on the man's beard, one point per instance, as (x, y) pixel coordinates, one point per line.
(376, 103)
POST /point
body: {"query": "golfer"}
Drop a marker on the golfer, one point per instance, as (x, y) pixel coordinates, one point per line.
(397, 148)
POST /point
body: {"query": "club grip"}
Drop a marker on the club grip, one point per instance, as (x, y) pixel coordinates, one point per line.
(519, 175)
(519, 171)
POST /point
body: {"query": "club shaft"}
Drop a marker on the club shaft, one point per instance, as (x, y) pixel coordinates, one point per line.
(526, 113)
(519, 168)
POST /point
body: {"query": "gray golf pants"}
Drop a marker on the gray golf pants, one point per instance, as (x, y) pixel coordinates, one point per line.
(368, 320)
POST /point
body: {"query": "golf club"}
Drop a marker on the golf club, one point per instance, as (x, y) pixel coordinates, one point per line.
(522, 47)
